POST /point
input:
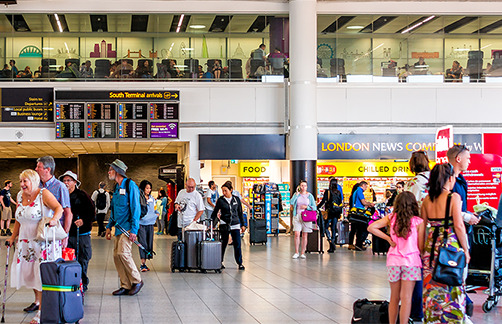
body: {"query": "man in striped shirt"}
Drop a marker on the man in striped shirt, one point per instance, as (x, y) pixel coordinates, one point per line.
(45, 169)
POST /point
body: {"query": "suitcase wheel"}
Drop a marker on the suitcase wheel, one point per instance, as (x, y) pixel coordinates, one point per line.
(172, 270)
(217, 270)
(203, 271)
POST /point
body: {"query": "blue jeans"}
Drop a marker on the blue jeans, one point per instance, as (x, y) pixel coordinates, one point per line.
(330, 224)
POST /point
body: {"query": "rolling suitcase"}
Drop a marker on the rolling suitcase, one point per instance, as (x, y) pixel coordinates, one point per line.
(61, 293)
(343, 229)
(315, 242)
(210, 254)
(257, 231)
(192, 239)
(379, 245)
(178, 256)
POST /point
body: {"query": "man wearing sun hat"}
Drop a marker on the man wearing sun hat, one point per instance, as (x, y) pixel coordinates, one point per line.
(83, 212)
(125, 211)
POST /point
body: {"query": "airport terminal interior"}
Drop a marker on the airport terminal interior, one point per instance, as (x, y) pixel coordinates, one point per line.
(264, 94)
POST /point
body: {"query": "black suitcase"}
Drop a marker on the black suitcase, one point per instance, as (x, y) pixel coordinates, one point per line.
(63, 301)
(343, 229)
(315, 242)
(257, 231)
(192, 239)
(370, 312)
(379, 245)
(178, 256)
(210, 254)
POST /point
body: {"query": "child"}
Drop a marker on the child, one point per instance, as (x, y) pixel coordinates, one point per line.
(404, 265)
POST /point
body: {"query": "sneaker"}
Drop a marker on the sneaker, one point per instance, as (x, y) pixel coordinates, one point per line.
(241, 267)
(143, 268)
(2, 233)
(296, 256)
(8, 232)
(303, 256)
(351, 247)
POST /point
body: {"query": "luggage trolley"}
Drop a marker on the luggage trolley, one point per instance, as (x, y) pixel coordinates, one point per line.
(485, 268)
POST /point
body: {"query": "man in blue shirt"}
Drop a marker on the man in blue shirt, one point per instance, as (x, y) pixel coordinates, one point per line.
(45, 169)
(125, 212)
(356, 228)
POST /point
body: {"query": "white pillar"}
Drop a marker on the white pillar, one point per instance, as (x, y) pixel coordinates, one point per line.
(303, 77)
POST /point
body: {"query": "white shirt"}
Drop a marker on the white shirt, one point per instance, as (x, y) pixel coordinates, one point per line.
(191, 203)
(208, 194)
(95, 196)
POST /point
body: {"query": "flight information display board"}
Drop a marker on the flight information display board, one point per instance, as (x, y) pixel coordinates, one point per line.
(70, 111)
(133, 130)
(101, 130)
(165, 111)
(70, 130)
(101, 111)
(133, 111)
(27, 104)
(164, 130)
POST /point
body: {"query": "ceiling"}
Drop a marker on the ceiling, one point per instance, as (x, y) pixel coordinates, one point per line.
(72, 149)
(162, 23)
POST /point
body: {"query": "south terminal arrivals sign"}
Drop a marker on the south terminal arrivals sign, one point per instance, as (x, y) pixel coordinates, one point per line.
(385, 146)
(114, 95)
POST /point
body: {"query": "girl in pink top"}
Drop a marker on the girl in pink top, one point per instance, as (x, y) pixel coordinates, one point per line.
(403, 259)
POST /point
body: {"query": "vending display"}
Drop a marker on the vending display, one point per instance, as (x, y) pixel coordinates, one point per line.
(70, 111)
(164, 111)
(265, 205)
(70, 130)
(101, 130)
(133, 111)
(133, 130)
(101, 111)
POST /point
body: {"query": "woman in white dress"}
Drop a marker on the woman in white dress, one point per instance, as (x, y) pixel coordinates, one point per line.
(32, 204)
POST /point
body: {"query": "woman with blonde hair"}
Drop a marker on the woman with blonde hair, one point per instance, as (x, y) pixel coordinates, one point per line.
(33, 203)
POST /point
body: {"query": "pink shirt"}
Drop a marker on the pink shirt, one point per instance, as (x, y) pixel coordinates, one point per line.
(302, 200)
(406, 252)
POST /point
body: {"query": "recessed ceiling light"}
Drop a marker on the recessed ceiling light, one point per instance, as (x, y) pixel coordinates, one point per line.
(21, 156)
(197, 26)
(355, 27)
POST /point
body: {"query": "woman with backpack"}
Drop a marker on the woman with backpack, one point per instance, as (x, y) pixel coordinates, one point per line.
(332, 201)
(145, 233)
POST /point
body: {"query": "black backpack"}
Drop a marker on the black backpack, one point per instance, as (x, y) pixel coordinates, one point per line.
(142, 199)
(335, 203)
(101, 200)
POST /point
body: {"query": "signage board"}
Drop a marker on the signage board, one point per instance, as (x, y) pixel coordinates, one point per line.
(120, 95)
(254, 169)
(164, 130)
(27, 104)
(364, 169)
(484, 180)
(444, 140)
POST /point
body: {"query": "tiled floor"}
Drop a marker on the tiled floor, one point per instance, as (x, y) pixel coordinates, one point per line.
(273, 288)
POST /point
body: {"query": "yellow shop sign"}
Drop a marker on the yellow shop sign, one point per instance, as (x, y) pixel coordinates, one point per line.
(253, 169)
(364, 169)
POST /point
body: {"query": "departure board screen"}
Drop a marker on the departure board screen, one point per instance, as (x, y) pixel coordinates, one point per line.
(133, 130)
(70, 111)
(70, 130)
(27, 104)
(101, 111)
(164, 111)
(133, 111)
(164, 130)
(101, 130)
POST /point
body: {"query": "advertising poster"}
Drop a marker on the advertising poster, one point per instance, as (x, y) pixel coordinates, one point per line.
(444, 140)
(483, 179)
(164, 130)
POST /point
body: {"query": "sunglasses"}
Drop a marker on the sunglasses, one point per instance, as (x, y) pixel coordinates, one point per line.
(462, 148)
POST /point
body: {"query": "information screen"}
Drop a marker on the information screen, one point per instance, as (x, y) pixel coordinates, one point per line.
(133, 130)
(163, 130)
(27, 104)
(164, 111)
(70, 130)
(101, 111)
(101, 130)
(133, 111)
(70, 111)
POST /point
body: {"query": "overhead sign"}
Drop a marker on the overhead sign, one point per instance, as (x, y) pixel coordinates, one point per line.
(384, 146)
(484, 180)
(254, 169)
(27, 104)
(444, 140)
(364, 169)
(114, 95)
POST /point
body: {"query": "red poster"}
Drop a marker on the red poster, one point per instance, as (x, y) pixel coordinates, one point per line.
(483, 179)
(492, 143)
(444, 140)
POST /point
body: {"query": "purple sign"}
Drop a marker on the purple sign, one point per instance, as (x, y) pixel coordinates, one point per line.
(163, 130)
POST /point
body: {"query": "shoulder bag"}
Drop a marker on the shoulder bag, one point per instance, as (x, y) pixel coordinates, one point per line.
(52, 232)
(358, 215)
(309, 215)
(449, 269)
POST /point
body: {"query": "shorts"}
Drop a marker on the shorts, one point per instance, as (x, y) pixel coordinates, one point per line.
(301, 226)
(396, 273)
(6, 213)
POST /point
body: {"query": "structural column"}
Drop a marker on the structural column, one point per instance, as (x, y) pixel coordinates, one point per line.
(302, 142)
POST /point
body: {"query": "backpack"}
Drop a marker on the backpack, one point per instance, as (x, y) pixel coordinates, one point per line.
(336, 204)
(142, 199)
(101, 200)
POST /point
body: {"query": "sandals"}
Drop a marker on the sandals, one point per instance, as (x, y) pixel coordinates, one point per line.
(36, 319)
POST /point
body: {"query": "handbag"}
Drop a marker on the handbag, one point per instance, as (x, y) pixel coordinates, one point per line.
(449, 269)
(52, 232)
(309, 215)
